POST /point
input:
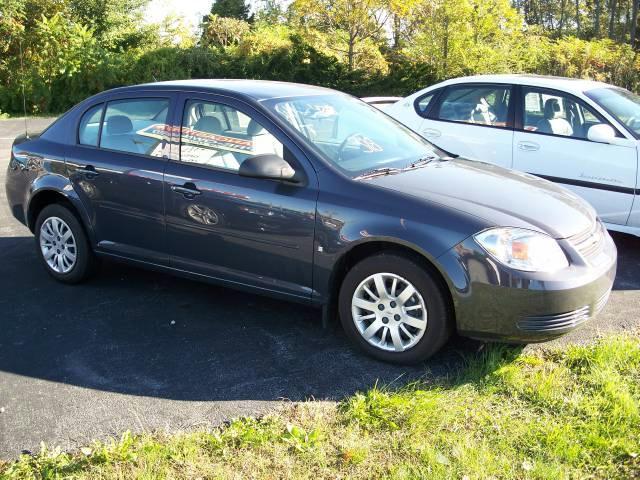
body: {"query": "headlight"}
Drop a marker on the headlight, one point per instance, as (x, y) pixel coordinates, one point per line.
(523, 249)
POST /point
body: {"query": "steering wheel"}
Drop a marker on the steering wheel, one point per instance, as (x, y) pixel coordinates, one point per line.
(633, 122)
(343, 145)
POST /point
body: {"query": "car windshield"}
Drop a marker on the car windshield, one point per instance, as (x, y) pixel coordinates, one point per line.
(621, 103)
(356, 137)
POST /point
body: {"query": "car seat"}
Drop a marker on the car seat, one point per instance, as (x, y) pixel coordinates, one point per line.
(119, 135)
(208, 124)
(263, 142)
(216, 154)
(551, 123)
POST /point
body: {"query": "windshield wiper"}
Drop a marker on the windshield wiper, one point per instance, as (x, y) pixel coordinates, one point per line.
(377, 172)
(421, 162)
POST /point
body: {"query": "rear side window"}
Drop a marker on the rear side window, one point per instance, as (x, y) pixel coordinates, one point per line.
(136, 126)
(422, 104)
(478, 105)
(90, 126)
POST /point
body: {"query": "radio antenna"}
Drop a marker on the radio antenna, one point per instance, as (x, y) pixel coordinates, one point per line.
(24, 98)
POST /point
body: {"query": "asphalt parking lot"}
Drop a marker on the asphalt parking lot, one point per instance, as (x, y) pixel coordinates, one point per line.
(144, 351)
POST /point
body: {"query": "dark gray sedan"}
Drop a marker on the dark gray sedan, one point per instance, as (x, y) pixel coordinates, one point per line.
(311, 195)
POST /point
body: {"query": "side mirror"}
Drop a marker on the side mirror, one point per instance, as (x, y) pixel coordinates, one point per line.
(601, 133)
(268, 166)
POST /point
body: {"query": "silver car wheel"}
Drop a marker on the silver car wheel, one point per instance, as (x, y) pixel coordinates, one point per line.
(58, 245)
(389, 312)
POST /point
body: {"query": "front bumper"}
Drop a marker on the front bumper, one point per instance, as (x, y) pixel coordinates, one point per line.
(497, 303)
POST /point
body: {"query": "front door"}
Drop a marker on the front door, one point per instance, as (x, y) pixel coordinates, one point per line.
(248, 231)
(117, 167)
(552, 142)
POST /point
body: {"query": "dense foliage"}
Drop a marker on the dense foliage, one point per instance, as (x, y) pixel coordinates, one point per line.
(61, 51)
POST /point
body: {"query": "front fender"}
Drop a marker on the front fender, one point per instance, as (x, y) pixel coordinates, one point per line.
(342, 226)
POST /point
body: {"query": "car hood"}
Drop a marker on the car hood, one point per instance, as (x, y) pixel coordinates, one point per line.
(501, 196)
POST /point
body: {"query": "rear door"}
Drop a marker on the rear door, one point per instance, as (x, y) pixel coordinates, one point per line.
(551, 141)
(116, 165)
(247, 231)
(471, 120)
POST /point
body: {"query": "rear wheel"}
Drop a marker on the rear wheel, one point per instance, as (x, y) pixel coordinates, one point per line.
(394, 309)
(62, 245)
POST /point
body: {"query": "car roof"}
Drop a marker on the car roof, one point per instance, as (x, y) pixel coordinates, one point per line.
(256, 89)
(572, 85)
(380, 99)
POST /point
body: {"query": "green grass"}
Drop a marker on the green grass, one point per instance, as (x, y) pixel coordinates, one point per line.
(570, 413)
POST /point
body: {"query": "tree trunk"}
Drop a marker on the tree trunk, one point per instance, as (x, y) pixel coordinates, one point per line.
(396, 31)
(596, 26)
(577, 18)
(563, 4)
(634, 22)
(352, 43)
(612, 18)
(445, 47)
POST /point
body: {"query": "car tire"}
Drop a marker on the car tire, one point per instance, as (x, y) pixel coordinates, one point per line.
(62, 245)
(427, 310)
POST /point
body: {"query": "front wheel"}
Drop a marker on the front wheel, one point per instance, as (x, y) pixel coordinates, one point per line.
(394, 309)
(62, 245)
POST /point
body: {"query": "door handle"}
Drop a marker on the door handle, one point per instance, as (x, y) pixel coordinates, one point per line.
(89, 171)
(188, 190)
(528, 146)
(431, 132)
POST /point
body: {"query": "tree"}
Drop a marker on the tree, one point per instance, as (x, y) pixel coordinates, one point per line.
(359, 20)
(270, 12)
(117, 24)
(634, 23)
(223, 31)
(231, 9)
(459, 37)
(612, 18)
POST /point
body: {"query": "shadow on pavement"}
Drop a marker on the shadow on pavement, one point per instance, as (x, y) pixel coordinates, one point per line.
(143, 333)
(628, 276)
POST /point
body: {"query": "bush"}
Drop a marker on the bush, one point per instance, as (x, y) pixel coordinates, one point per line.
(65, 62)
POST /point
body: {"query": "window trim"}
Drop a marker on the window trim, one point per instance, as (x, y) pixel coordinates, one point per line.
(435, 111)
(519, 123)
(105, 101)
(81, 116)
(436, 95)
(187, 97)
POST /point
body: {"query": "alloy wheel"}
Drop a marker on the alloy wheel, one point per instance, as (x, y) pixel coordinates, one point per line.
(389, 312)
(58, 245)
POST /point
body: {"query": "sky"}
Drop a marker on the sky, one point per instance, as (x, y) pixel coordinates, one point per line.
(191, 10)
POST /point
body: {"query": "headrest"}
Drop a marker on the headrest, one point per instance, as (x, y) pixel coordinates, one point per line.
(118, 124)
(208, 124)
(254, 128)
(551, 107)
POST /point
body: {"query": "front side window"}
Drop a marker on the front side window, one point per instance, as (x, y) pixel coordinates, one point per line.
(479, 105)
(354, 136)
(220, 136)
(135, 126)
(557, 114)
(89, 127)
(621, 103)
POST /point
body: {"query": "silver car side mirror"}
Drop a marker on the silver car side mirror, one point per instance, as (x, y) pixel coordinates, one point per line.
(601, 133)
